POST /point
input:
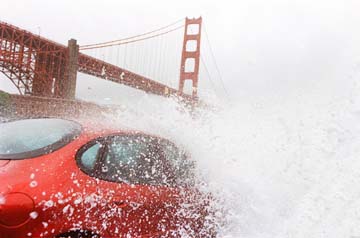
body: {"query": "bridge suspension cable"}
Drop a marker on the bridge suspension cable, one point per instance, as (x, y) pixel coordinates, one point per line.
(136, 38)
(210, 69)
(215, 63)
(156, 58)
(155, 55)
(131, 41)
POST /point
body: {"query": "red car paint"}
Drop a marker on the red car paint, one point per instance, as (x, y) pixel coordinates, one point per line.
(50, 195)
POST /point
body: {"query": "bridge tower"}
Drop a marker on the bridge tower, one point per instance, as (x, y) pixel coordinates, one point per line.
(190, 57)
(54, 77)
(68, 84)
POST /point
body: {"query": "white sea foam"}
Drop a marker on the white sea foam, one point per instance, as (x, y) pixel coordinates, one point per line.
(281, 168)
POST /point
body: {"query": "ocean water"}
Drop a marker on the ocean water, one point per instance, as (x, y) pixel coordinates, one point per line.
(287, 167)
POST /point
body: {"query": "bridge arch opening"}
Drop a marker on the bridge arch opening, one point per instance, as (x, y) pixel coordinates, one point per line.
(191, 46)
(189, 65)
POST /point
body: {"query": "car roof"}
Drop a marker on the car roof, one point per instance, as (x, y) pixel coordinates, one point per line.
(100, 127)
(109, 127)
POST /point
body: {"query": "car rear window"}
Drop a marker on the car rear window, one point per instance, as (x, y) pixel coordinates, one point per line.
(34, 137)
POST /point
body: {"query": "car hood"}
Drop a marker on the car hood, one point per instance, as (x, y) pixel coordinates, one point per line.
(20, 175)
(30, 175)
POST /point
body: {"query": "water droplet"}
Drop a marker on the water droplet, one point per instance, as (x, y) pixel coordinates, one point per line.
(78, 201)
(45, 224)
(2, 200)
(34, 215)
(104, 169)
(33, 184)
(49, 203)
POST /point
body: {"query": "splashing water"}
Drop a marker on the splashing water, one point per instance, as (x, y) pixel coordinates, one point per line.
(277, 169)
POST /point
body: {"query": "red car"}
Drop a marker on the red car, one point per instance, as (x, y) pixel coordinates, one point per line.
(59, 178)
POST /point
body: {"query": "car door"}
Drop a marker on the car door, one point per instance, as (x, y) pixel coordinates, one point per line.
(134, 182)
(147, 195)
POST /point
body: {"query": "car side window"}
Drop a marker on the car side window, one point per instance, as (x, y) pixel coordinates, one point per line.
(88, 158)
(135, 159)
(89, 155)
(182, 167)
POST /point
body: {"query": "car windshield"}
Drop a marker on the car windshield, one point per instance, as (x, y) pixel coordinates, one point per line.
(34, 137)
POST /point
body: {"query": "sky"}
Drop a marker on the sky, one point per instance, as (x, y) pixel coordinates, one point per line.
(262, 47)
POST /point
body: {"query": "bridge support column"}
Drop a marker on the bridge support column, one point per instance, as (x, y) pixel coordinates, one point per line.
(42, 83)
(69, 81)
(190, 58)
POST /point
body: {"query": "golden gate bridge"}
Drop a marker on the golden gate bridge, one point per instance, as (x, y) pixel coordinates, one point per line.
(40, 67)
